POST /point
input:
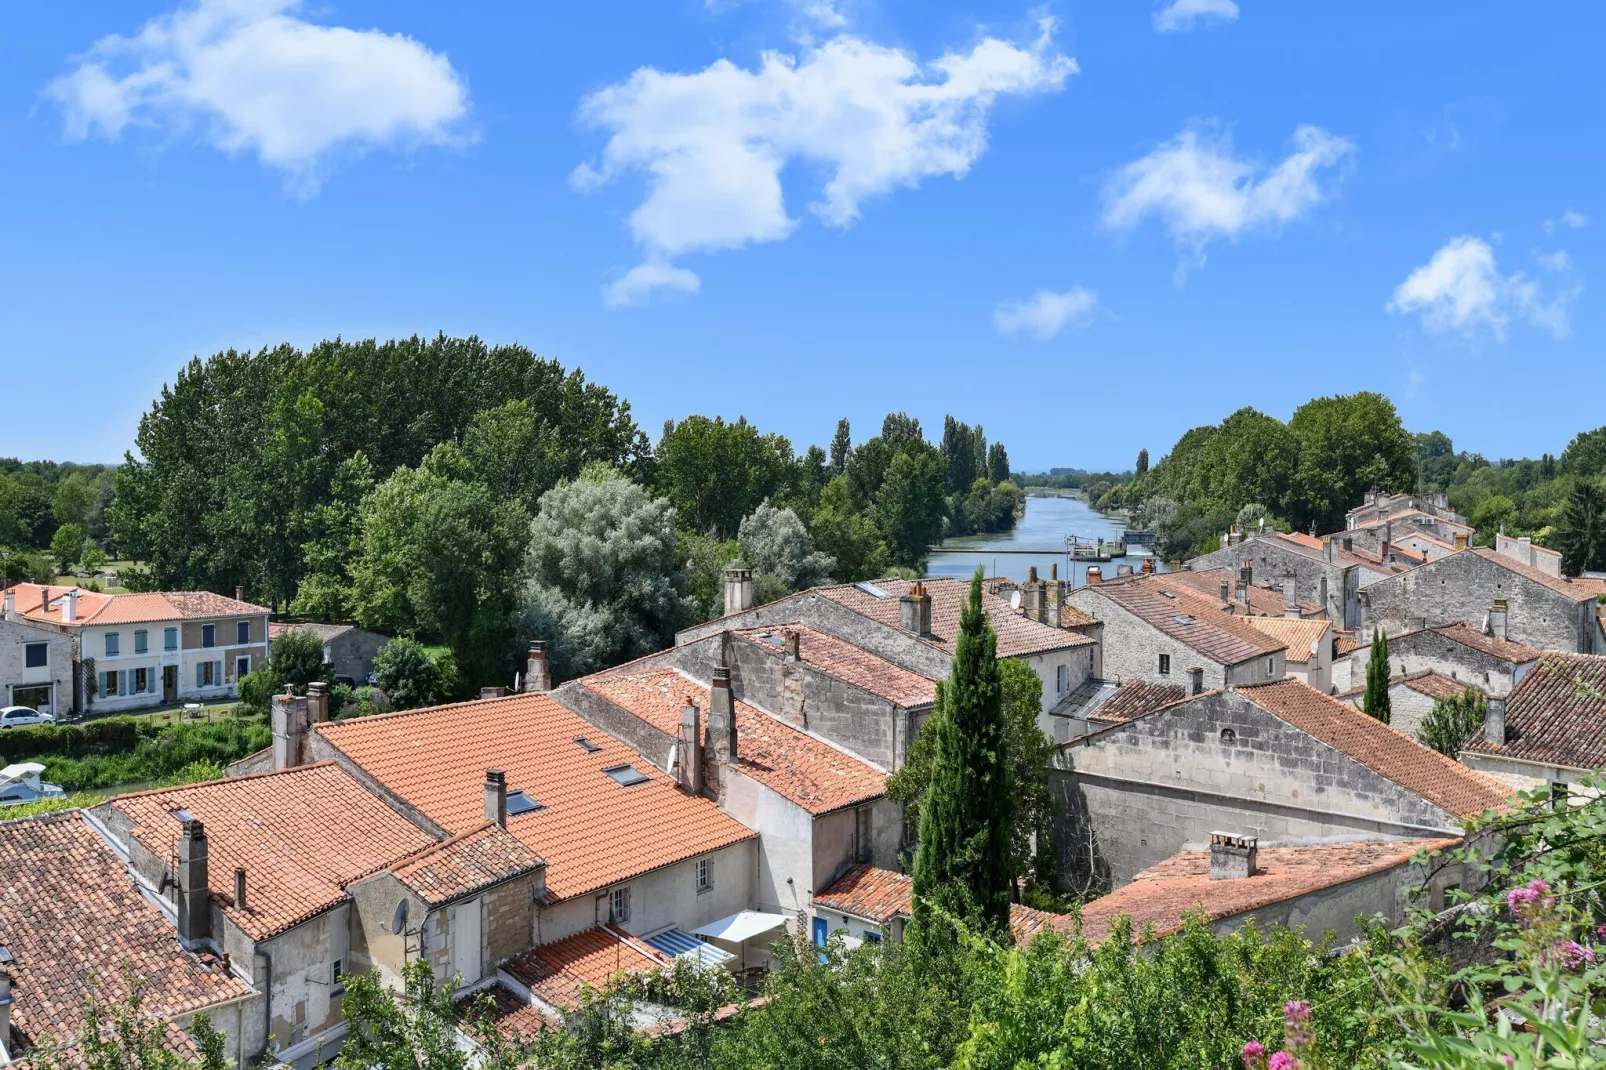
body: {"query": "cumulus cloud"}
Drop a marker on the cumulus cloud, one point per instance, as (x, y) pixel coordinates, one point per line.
(251, 76)
(1461, 289)
(1046, 313)
(1182, 15)
(637, 284)
(1570, 218)
(869, 120)
(1557, 261)
(1202, 191)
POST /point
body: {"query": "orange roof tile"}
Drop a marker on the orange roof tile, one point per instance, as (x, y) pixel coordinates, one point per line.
(1193, 619)
(1386, 751)
(477, 859)
(1018, 636)
(846, 662)
(558, 973)
(1300, 635)
(880, 895)
(1424, 682)
(1136, 698)
(1556, 715)
(301, 835)
(71, 916)
(1267, 601)
(814, 774)
(515, 1017)
(1504, 649)
(591, 830)
(1159, 897)
(133, 608)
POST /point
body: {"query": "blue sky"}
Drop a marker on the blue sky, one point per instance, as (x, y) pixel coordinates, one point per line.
(1087, 226)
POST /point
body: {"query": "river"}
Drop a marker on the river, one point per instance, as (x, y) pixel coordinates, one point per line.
(1043, 527)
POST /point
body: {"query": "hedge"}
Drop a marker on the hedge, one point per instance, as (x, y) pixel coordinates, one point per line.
(74, 740)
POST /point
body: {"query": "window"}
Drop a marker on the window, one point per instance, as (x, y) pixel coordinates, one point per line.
(169, 638)
(1062, 679)
(586, 745)
(111, 644)
(337, 974)
(1560, 794)
(140, 646)
(242, 632)
(627, 775)
(871, 937)
(520, 803)
(1271, 666)
(1165, 664)
(208, 673)
(619, 905)
(1229, 736)
(108, 683)
(705, 875)
(142, 681)
(209, 635)
(35, 655)
(242, 665)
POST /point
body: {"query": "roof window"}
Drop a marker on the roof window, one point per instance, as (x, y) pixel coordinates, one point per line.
(586, 745)
(1167, 594)
(771, 637)
(627, 775)
(1181, 619)
(520, 803)
(872, 590)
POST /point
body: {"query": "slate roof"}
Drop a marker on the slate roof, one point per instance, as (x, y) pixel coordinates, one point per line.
(1159, 897)
(557, 973)
(1555, 716)
(301, 834)
(1185, 615)
(803, 768)
(477, 859)
(1504, 649)
(1390, 753)
(134, 608)
(70, 914)
(1299, 635)
(846, 662)
(1266, 601)
(1018, 635)
(592, 831)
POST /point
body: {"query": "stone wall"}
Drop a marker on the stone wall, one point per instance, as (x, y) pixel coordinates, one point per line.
(1132, 647)
(901, 648)
(1316, 580)
(1411, 652)
(1407, 706)
(1135, 794)
(1525, 552)
(56, 673)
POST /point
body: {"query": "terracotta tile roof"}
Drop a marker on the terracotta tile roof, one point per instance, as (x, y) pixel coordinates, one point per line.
(1159, 897)
(515, 1017)
(1578, 592)
(559, 972)
(1299, 635)
(476, 859)
(1347, 643)
(1302, 539)
(1267, 601)
(1504, 649)
(1392, 754)
(880, 895)
(1026, 922)
(814, 774)
(70, 914)
(846, 662)
(1415, 533)
(1018, 636)
(1195, 620)
(1556, 715)
(1135, 698)
(301, 834)
(591, 830)
(1432, 684)
(134, 608)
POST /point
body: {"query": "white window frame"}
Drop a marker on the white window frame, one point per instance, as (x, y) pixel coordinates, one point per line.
(619, 904)
(1165, 664)
(705, 875)
(239, 661)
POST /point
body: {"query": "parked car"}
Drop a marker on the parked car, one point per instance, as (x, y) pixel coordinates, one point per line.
(16, 716)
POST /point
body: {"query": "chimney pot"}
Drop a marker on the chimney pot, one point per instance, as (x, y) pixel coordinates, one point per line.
(538, 670)
(496, 796)
(1233, 857)
(1494, 721)
(738, 590)
(1095, 575)
(317, 702)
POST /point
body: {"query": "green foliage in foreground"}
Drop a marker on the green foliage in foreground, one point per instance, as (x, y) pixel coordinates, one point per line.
(124, 750)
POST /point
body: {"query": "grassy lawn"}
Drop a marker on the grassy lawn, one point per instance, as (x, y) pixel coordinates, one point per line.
(119, 566)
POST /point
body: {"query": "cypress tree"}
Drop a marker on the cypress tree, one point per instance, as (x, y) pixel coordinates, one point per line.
(963, 860)
(1376, 702)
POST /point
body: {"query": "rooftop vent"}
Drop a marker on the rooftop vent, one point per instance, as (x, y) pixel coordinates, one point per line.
(872, 590)
(586, 745)
(627, 775)
(520, 803)
(1167, 594)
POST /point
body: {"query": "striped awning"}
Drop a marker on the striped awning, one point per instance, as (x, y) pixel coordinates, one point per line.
(678, 943)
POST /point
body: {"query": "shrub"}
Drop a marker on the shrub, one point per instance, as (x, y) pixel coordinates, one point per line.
(256, 691)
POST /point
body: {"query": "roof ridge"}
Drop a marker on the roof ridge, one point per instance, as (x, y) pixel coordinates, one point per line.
(409, 859)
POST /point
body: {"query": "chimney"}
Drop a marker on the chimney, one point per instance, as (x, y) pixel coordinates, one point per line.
(792, 643)
(1290, 595)
(1148, 566)
(1196, 681)
(1095, 575)
(1176, 565)
(1383, 551)
(1054, 572)
(1494, 721)
(1226, 591)
(194, 898)
(1245, 577)
(496, 796)
(538, 671)
(722, 718)
(239, 592)
(1123, 569)
(1031, 574)
(1330, 549)
(738, 590)
(317, 702)
(493, 692)
(69, 606)
(289, 730)
(8, 611)
(914, 609)
(1232, 857)
(1498, 617)
(691, 748)
(1460, 540)
(239, 888)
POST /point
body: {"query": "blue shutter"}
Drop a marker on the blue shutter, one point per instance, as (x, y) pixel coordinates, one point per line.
(198, 673)
(822, 930)
(103, 684)
(122, 681)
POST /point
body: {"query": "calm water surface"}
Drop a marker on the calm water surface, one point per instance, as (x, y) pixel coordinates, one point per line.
(1044, 527)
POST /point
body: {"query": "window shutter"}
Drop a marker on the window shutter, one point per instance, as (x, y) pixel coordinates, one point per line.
(122, 681)
(200, 673)
(217, 671)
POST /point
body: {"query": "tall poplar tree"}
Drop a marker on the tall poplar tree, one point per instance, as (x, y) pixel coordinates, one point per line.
(1376, 702)
(963, 861)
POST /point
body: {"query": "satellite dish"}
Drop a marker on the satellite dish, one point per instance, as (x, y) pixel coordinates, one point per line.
(398, 920)
(1014, 600)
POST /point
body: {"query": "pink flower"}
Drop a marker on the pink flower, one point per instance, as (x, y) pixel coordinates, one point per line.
(1254, 1056)
(1283, 1061)
(1573, 955)
(1297, 1034)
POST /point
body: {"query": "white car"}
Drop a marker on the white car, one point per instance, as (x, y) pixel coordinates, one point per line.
(16, 716)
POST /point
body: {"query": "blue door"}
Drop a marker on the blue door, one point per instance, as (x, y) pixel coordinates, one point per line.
(822, 929)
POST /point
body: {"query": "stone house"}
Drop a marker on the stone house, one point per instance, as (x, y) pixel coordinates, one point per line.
(1418, 535)
(154, 647)
(1167, 633)
(1412, 697)
(1381, 505)
(1308, 647)
(1493, 593)
(37, 663)
(1279, 761)
(1549, 729)
(1101, 703)
(1322, 573)
(1523, 551)
(348, 650)
(1254, 594)
(1459, 651)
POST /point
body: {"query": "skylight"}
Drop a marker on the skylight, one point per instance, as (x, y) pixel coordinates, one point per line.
(1180, 619)
(1167, 594)
(520, 803)
(872, 590)
(586, 745)
(627, 775)
(771, 637)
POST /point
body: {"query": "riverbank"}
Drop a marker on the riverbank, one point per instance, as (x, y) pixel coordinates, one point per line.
(1038, 540)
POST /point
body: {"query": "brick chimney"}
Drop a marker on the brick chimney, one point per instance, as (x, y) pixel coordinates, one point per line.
(690, 749)
(1494, 721)
(914, 610)
(289, 731)
(1290, 595)
(792, 644)
(496, 796)
(1196, 681)
(1232, 857)
(1095, 575)
(738, 590)
(317, 702)
(1499, 616)
(194, 897)
(538, 671)
(1148, 566)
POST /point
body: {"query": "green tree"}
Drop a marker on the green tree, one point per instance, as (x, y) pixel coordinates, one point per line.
(963, 862)
(604, 583)
(1435, 459)
(420, 1031)
(1452, 721)
(1376, 700)
(841, 446)
(1581, 532)
(843, 531)
(120, 1035)
(960, 445)
(1492, 514)
(715, 473)
(1347, 444)
(67, 546)
(295, 660)
(1143, 462)
(334, 544)
(997, 463)
(899, 429)
(407, 674)
(774, 543)
(1585, 455)
(704, 559)
(909, 507)
(72, 500)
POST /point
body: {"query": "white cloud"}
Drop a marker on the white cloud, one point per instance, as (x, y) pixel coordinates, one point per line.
(713, 142)
(1461, 289)
(1576, 220)
(1181, 15)
(1557, 261)
(637, 284)
(255, 78)
(1046, 314)
(1203, 191)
